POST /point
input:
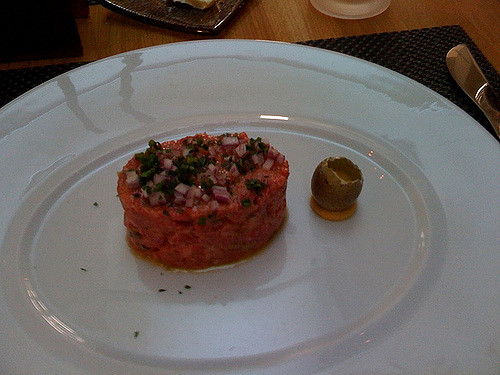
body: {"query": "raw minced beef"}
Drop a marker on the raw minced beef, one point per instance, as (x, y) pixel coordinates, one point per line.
(203, 200)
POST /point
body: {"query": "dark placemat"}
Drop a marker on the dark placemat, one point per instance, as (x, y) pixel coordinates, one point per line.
(38, 29)
(15, 82)
(418, 54)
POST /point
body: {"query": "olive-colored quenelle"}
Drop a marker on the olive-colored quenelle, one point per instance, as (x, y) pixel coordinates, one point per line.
(336, 183)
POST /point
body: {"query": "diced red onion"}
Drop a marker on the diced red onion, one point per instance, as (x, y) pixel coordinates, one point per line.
(213, 205)
(230, 141)
(221, 194)
(211, 167)
(221, 179)
(166, 164)
(234, 171)
(157, 178)
(178, 197)
(219, 189)
(182, 188)
(156, 199)
(257, 158)
(132, 179)
(189, 202)
(194, 192)
(273, 153)
(186, 152)
(280, 158)
(205, 197)
(268, 164)
(241, 149)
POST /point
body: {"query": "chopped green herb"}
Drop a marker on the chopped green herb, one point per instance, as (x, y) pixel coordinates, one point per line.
(136, 334)
(162, 290)
(202, 220)
(256, 185)
(148, 159)
(149, 162)
(154, 145)
(193, 163)
(187, 286)
(246, 202)
(206, 184)
(95, 204)
(83, 269)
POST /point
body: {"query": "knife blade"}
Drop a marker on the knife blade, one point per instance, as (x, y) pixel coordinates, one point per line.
(464, 69)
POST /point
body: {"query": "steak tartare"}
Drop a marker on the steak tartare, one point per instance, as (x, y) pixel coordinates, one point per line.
(204, 200)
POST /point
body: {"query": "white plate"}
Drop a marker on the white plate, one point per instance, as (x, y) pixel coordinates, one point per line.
(407, 285)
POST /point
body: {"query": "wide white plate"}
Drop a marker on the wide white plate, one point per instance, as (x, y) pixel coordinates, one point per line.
(407, 285)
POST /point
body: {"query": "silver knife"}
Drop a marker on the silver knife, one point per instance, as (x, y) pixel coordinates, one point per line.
(471, 79)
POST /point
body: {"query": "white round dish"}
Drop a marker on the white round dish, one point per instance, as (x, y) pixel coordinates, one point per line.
(405, 285)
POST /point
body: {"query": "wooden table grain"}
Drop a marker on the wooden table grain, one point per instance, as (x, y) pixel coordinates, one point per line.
(105, 33)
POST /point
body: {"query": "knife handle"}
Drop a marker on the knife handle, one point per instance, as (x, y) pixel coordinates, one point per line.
(488, 101)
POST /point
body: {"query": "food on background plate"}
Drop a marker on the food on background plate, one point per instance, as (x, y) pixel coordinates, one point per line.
(203, 201)
(335, 185)
(200, 4)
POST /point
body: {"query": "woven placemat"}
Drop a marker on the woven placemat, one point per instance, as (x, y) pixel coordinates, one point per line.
(418, 54)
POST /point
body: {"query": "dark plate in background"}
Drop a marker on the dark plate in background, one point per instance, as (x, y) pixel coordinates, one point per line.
(174, 15)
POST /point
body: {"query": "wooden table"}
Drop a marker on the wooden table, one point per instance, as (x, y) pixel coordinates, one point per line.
(105, 33)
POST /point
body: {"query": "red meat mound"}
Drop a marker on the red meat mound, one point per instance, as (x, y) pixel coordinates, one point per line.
(203, 201)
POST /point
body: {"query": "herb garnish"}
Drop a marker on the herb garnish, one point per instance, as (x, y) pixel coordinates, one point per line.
(246, 202)
(149, 162)
(200, 164)
(255, 185)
